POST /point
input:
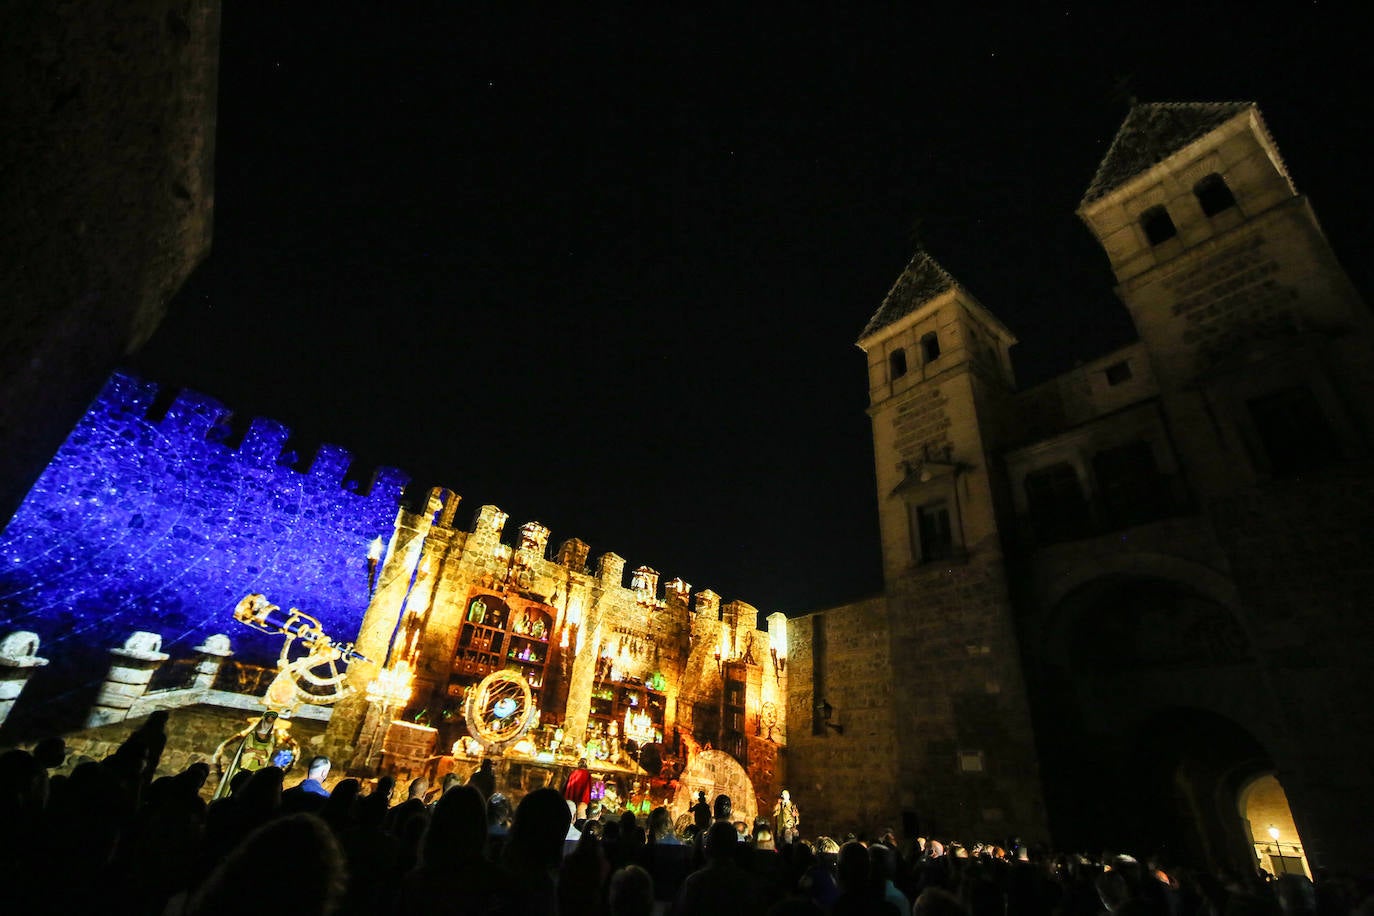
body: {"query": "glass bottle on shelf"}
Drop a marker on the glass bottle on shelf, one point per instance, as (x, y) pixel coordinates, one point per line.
(477, 611)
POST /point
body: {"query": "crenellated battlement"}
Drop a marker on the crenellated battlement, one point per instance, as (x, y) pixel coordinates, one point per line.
(185, 415)
(164, 508)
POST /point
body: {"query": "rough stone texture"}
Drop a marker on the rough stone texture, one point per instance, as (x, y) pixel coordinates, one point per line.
(107, 127)
(1152, 131)
(1210, 635)
(193, 733)
(842, 781)
(432, 573)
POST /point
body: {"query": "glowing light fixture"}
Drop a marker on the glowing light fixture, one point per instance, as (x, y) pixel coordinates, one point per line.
(1273, 833)
(374, 556)
(392, 687)
(777, 643)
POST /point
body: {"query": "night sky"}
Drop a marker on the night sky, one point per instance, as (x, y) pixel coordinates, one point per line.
(606, 271)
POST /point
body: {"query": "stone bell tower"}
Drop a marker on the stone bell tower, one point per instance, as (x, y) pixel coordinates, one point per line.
(940, 378)
(1258, 339)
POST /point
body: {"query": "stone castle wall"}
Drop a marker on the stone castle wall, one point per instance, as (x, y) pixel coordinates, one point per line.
(163, 522)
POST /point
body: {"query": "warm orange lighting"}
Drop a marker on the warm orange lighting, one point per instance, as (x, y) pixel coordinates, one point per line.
(393, 686)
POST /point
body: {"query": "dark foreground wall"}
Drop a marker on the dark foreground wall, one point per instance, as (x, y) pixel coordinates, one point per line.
(107, 138)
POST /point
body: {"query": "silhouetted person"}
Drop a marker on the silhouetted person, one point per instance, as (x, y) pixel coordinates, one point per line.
(581, 877)
(309, 795)
(722, 888)
(701, 813)
(631, 892)
(534, 851)
(248, 879)
(453, 861)
(860, 895)
(483, 779)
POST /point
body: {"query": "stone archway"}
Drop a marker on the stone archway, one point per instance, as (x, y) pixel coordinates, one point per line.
(716, 772)
(1151, 712)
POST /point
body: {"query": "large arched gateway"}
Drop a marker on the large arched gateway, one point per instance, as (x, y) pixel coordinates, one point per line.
(1154, 722)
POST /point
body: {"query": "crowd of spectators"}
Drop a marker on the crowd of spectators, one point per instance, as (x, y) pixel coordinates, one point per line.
(111, 838)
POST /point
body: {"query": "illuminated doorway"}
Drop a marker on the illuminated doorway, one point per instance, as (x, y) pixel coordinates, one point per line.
(1278, 848)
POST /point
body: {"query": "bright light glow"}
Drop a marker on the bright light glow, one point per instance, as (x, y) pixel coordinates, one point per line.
(574, 611)
(724, 642)
(639, 727)
(374, 550)
(393, 686)
(1274, 833)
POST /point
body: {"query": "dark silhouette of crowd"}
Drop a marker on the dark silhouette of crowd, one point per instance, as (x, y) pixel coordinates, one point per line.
(111, 837)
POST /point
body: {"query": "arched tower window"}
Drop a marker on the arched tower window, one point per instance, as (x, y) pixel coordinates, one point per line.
(1157, 225)
(897, 363)
(930, 347)
(1213, 195)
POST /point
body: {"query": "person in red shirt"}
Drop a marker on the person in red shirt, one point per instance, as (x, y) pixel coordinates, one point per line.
(578, 788)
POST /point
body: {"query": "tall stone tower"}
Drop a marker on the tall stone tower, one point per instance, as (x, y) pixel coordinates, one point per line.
(940, 379)
(1261, 347)
(1257, 336)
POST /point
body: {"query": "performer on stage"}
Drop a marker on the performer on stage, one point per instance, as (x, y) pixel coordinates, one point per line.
(257, 745)
(786, 818)
(578, 788)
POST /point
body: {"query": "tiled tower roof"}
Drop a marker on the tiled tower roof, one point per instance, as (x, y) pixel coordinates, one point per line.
(1152, 132)
(921, 281)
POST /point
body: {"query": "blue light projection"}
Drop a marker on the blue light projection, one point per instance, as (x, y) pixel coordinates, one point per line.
(144, 524)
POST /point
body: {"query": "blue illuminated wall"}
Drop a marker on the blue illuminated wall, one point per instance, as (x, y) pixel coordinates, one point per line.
(156, 524)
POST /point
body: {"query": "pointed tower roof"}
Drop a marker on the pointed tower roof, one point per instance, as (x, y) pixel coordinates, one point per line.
(921, 281)
(1151, 133)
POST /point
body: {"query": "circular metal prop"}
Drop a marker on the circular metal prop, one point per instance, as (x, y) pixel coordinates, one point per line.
(499, 709)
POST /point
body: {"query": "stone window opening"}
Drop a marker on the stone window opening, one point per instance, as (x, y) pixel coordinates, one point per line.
(1213, 195)
(1118, 373)
(897, 363)
(1294, 433)
(933, 530)
(1130, 486)
(1158, 226)
(1057, 508)
(930, 347)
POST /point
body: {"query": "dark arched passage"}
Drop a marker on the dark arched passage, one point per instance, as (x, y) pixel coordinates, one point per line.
(1145, 693)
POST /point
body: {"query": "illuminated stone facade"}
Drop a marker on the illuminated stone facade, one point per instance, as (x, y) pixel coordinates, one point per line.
(162, 510)
(1139, 585)
(611, 667)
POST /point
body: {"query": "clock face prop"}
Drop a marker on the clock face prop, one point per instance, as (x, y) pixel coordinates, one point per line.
(499, 709)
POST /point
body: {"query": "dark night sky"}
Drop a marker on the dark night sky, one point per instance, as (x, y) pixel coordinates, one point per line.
(607, 271)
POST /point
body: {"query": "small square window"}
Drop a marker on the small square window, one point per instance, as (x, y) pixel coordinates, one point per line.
(897, 363)
(1213, 195)
(970, 761)
(934, 532)
(1118, 373)
(1159, 228)
(930, 347)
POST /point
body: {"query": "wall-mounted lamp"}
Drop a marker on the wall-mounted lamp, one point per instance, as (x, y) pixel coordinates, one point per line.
(779, 663)
(374, 556)
(720, 665)
(823, 713)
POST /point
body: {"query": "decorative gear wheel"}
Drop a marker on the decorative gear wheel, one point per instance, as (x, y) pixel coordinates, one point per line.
(499, 709)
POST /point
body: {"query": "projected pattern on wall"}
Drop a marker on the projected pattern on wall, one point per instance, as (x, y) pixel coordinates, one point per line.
(163, 524)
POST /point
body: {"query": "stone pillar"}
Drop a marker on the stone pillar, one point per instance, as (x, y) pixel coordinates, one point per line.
(610, 571)
(211, 656)
(379, 626)
(18, 658)
(583, 674)
(128, 678)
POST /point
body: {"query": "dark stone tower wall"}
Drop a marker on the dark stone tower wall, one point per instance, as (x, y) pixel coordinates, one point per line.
(107, 130)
